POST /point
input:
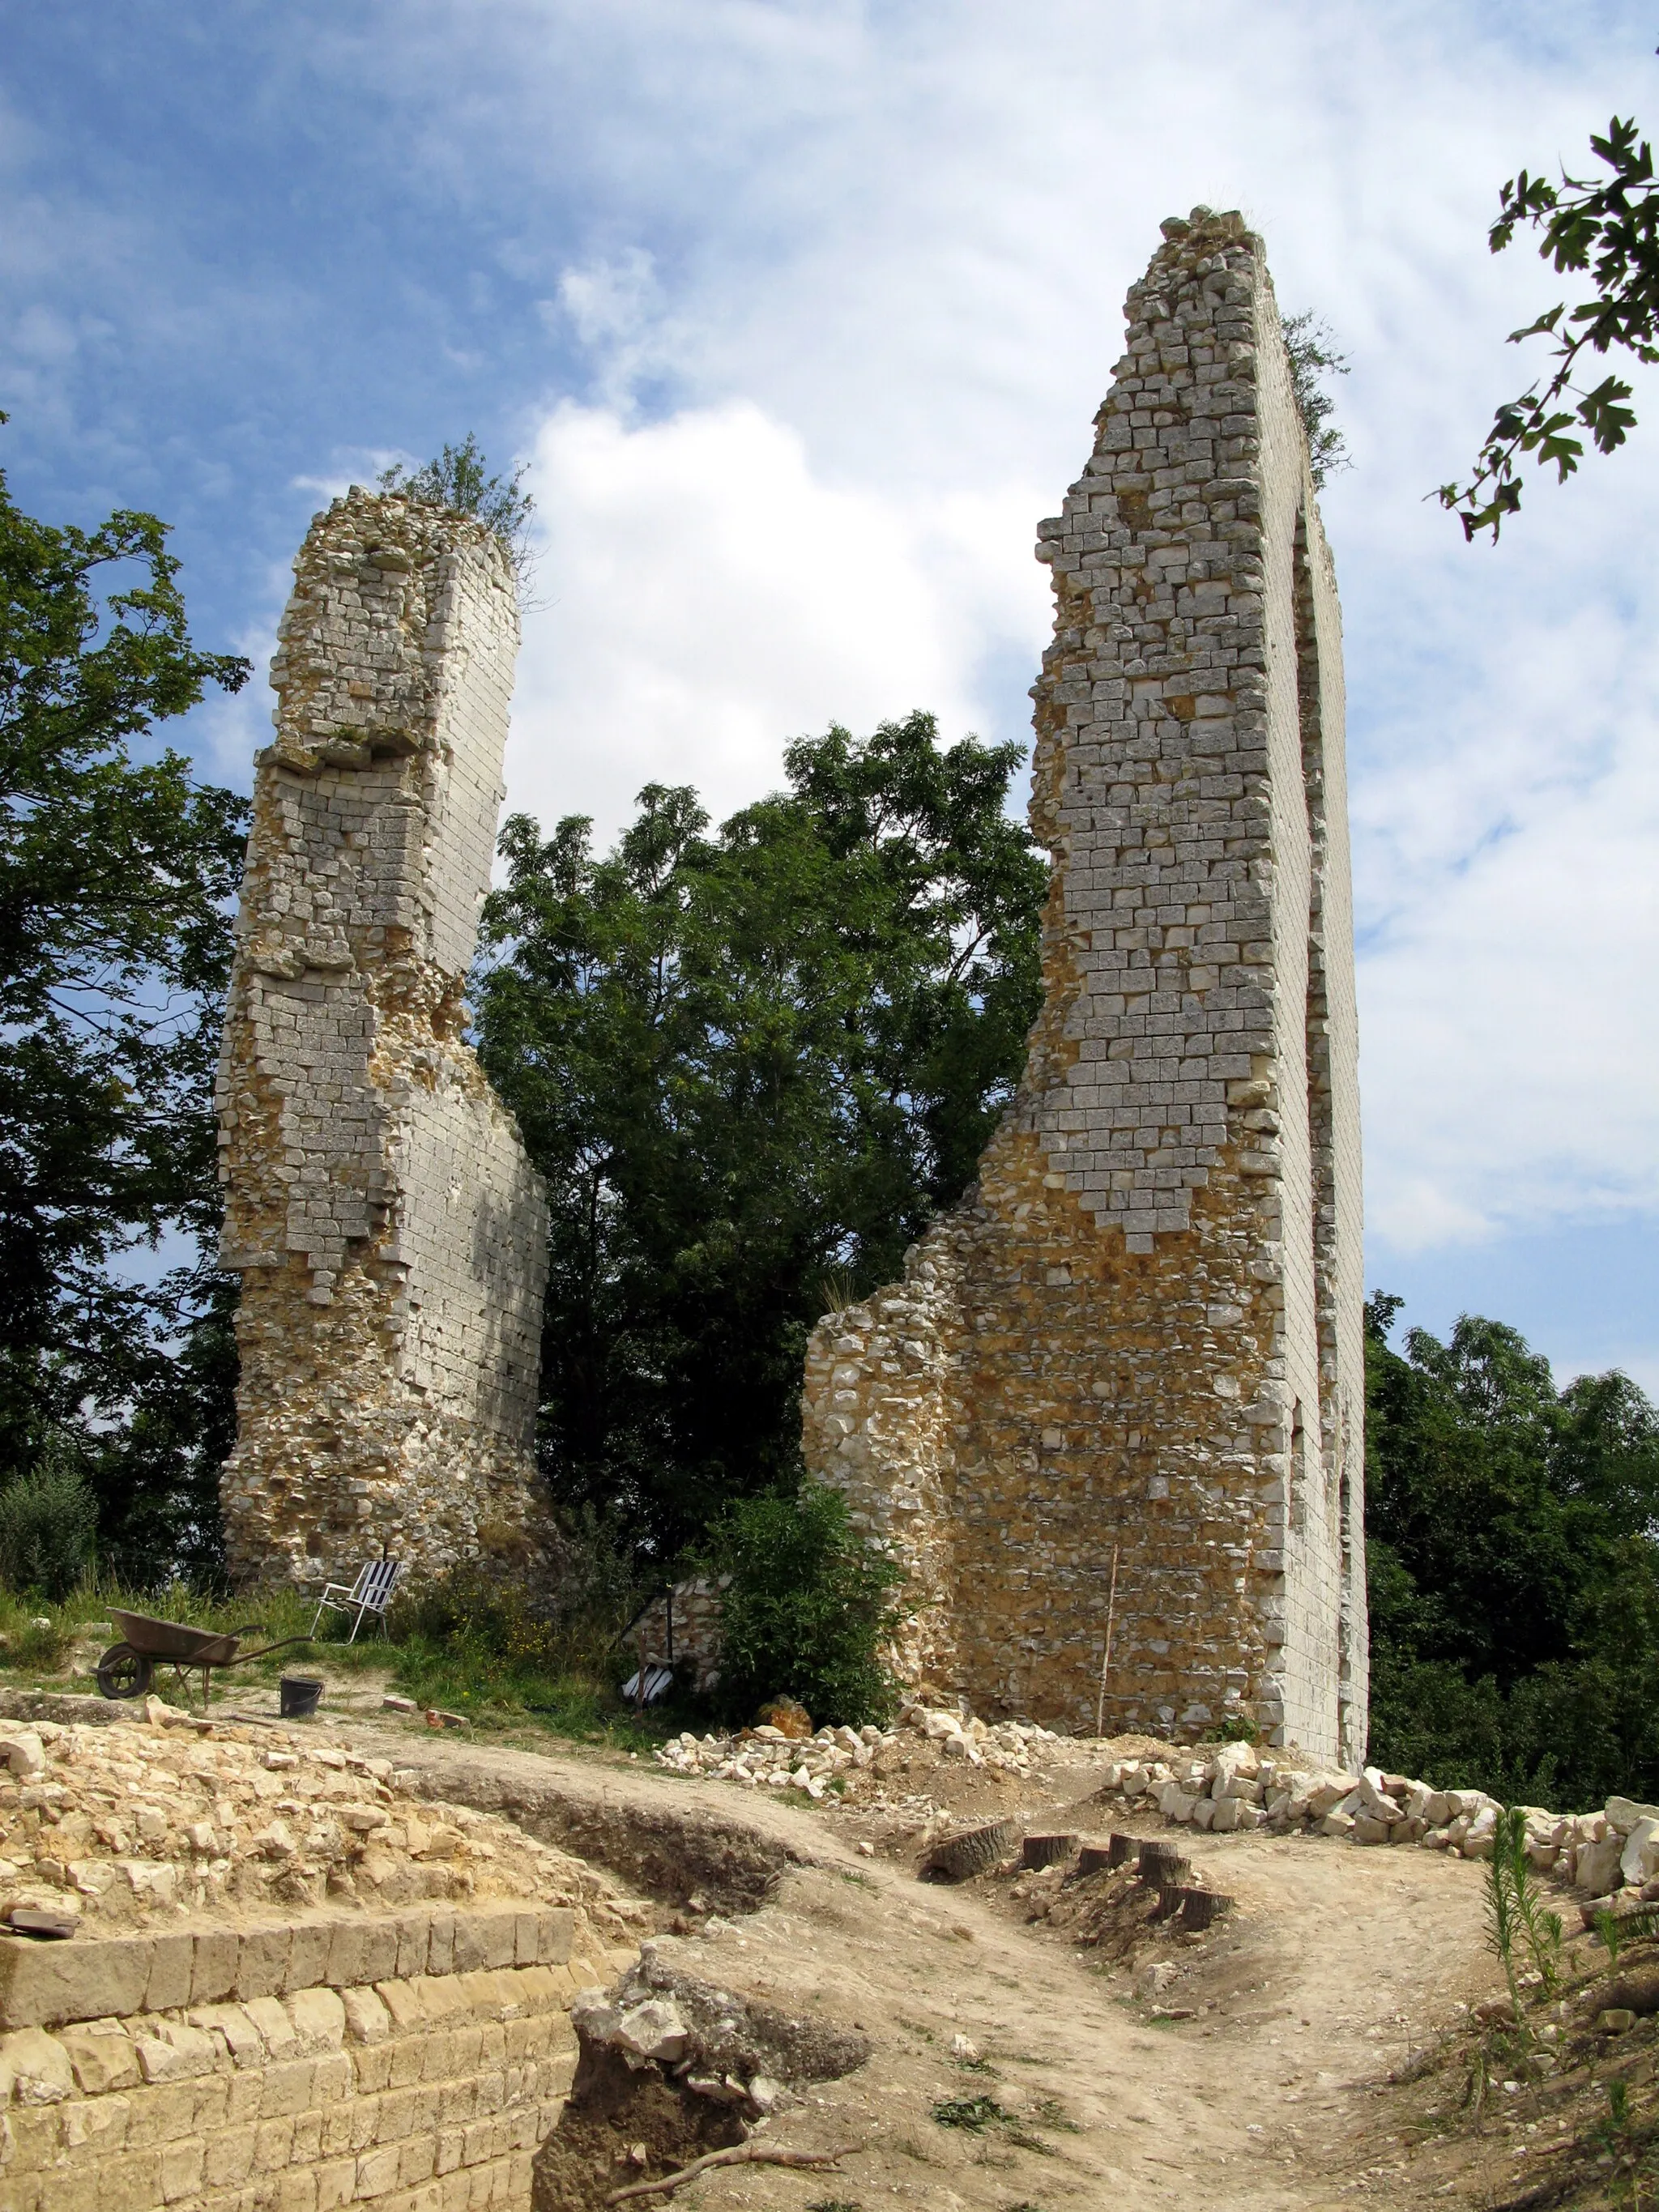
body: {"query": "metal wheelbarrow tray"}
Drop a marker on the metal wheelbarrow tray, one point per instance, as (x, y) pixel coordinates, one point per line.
(127, 1669)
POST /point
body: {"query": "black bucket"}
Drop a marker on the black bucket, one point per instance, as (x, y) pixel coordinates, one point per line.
(300, 1694)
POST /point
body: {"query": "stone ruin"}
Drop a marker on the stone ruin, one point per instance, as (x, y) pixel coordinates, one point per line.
(1139, 1334)
(388, 1228)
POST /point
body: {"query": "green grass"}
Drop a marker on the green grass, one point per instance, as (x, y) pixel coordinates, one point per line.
(464, 1671)
(973, 2113)
(979, 2115)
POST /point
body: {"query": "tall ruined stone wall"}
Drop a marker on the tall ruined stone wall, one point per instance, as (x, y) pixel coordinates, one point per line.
(390, 1232)
(1142, 1326)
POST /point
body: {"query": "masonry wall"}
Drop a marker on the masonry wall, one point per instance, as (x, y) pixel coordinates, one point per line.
(389, 1230)
(414, 2062)
(1140, 1331)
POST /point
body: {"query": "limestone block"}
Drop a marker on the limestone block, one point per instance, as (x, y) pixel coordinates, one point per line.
(262, 1962)
(1599, 1869)
(174, 2052)
(242, 2039)
(102, 2056)
(320, 2020)
(1639, 1861)
(41, 1984)
(556, 1932)
(172, 1973)
(35, 2069)
(366, 2019)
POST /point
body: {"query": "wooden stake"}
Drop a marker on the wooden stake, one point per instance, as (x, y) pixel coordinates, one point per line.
(1106, 1655)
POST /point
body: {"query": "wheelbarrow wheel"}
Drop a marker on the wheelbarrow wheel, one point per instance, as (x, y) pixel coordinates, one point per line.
(125, 1673)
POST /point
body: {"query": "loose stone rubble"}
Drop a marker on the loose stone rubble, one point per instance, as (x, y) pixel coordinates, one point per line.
(844, 1761)
(389, 1230)
(1223, 1789)
(132, 1825)
(1235, 1787)
(1140, 1331)
(731, 2049)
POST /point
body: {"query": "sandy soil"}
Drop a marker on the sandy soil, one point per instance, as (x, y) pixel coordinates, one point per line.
(1336, 1969)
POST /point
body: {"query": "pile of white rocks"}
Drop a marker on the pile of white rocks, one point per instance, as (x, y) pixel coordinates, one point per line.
(1235, 1787)
(765, 1758)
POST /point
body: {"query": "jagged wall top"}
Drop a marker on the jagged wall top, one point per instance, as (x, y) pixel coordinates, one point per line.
(1151, 773)
(398, 640)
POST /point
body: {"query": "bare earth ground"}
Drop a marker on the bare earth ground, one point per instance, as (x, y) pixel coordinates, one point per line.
(1338, 1968)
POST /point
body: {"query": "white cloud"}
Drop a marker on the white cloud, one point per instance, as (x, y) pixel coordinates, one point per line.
(890, 306)
(705, 596)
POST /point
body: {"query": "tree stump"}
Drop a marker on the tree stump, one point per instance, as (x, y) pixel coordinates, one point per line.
(960, 1857)
(1162, 1866)
(1047, 1850)
(1199, 1908)
(1120, 1848)
(1096, 1858)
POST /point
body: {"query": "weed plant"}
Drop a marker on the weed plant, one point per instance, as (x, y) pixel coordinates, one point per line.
(1518, 1923)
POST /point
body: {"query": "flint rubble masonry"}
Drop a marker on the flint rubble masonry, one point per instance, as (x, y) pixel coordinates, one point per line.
(389, 1230)
(1142, 1326)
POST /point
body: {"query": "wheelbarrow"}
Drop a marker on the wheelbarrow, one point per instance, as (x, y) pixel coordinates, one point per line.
(127, 1669)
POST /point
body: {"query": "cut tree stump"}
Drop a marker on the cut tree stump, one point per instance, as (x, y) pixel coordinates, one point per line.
(959, 1858)
(1047, 1850)
(1120, 1848)
(1096, 1858)
(1200, 1908)
(1162, 1866)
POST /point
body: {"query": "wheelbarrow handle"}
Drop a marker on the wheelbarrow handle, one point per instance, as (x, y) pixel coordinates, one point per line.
(264, 1651)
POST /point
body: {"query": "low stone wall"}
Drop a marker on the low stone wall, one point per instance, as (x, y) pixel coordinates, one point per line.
(682, 1629)
(413, 2061)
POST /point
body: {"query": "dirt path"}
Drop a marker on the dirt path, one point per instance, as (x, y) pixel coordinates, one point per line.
(1335, 1966)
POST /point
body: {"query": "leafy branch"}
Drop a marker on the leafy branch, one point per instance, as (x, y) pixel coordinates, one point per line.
(1609, 227)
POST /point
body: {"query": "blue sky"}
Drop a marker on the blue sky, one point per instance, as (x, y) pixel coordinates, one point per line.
(799, 314)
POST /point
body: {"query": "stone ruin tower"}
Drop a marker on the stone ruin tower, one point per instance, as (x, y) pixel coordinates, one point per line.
(389, 1230)
(1141, 1328)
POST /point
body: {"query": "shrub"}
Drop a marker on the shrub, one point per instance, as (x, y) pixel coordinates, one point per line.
(48, 1518)
(805, 1608)
(482, 1635)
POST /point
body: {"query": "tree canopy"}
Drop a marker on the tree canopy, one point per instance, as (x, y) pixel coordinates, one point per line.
(116, 871)
(751, 1063)
(1513, 1566)
(1608, 226)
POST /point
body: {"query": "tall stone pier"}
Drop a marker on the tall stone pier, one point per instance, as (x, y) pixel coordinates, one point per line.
(1139, 1335)
(389, 1230)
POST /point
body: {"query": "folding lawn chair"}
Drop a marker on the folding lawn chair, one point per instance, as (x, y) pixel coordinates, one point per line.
(370, 1594)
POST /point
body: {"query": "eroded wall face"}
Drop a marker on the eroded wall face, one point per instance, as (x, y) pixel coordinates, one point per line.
(1141, 1329)
(389, 1230)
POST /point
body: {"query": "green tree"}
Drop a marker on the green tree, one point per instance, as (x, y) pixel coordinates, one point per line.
(1607, 226)
(116, 870)
(1513, 1570)
(752, 1064)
